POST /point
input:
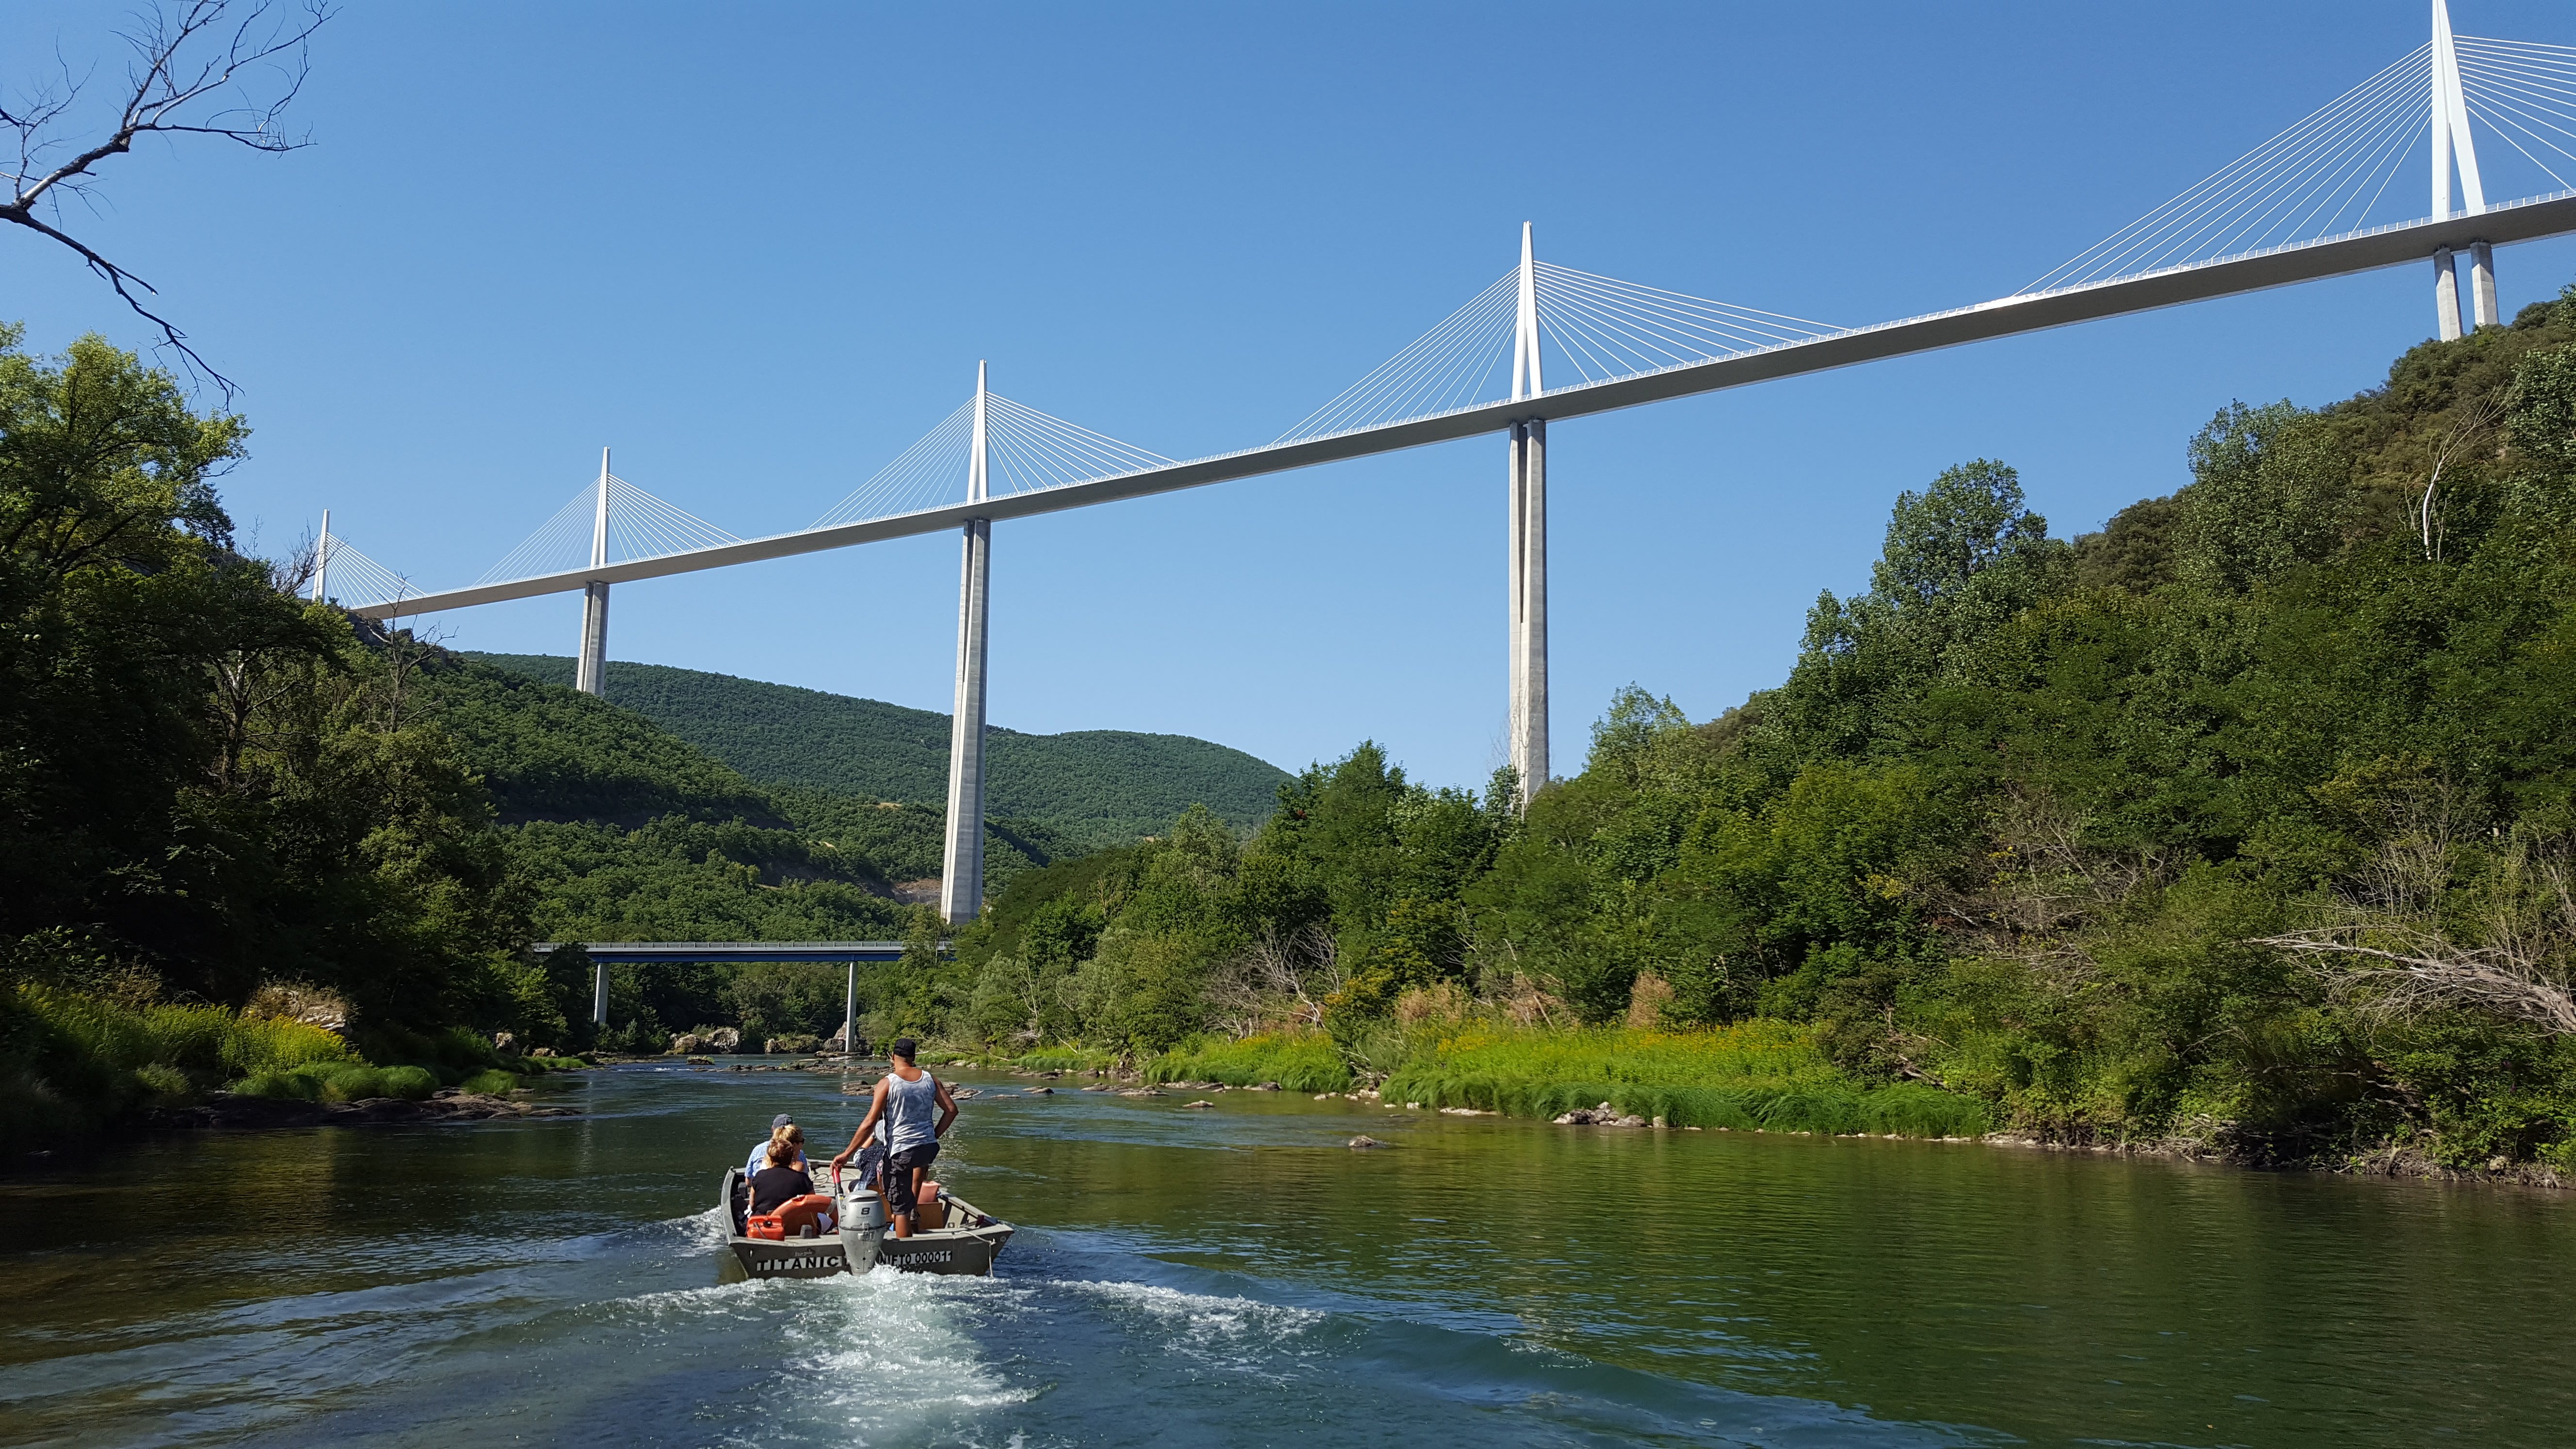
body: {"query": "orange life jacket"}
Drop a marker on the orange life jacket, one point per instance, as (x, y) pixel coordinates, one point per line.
(791, 1218)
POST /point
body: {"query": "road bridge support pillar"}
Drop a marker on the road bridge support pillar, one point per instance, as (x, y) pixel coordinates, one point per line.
(2446, 294)
(2482, 292)
(961, 876)
(2454, 146)
(1525, 723)
(850, 1014)
(599, 993)
(590, 673)
(590, 667)
(1529, 605)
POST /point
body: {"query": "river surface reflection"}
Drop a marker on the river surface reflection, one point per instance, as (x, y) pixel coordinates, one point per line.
(1239, 1276)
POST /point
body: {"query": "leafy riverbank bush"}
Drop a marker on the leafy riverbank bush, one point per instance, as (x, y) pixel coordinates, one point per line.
(75, 1061)
(1300, 1062)
(1765, 1074)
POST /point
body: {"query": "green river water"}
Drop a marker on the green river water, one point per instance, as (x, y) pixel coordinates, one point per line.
(1239, 1276)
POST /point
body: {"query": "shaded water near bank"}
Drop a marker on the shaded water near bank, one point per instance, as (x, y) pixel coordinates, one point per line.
(1239, 1276)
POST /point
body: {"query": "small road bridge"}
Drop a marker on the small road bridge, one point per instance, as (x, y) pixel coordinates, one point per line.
(1545, 342)
(604, 954)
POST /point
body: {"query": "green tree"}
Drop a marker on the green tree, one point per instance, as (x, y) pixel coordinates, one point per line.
(2272, 487)
(1961, 558)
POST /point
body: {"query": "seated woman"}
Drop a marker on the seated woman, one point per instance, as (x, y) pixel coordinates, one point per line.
(774, 1185)
(781, 1129)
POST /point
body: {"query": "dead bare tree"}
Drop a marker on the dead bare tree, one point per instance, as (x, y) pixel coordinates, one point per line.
(1277, 979)
(2428, 972)
(189, 54)
(2399, 963)
(2468, 432)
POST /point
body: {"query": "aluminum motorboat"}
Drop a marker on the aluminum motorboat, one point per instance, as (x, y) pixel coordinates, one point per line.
(966, 1243)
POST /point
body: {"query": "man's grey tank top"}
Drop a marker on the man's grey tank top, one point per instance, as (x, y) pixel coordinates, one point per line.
(910, 1113)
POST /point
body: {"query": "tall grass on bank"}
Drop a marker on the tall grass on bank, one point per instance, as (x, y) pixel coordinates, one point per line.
(342, 1082)
(1298, 1061)
(1761, 1074)
(71, 1062)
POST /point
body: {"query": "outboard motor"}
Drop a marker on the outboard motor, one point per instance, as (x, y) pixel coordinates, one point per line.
(863, 1227)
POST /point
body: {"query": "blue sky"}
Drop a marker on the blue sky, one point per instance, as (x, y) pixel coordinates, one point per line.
(759, 249)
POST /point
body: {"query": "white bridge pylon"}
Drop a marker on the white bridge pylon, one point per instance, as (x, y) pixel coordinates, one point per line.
(358, 577)
(1546, 343)
(2334, 173)
(611, 521)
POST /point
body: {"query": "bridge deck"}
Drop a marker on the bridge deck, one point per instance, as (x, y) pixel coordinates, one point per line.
(2335, 256)
(626, 952)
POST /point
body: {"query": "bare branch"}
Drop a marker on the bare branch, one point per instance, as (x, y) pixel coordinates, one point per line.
(2400, 952)
(170, 77)
(1277, 980)
(2435, 975)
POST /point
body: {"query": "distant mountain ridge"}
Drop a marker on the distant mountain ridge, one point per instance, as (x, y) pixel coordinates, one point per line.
(1096, 787)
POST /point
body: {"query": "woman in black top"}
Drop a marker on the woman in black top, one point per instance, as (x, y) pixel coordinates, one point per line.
(779, 1181)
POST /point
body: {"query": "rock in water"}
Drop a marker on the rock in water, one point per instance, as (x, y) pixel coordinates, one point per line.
(688, 1044)
(1604, 1115)
(1363, 1143)
(724, 1039)
(1200, 1103)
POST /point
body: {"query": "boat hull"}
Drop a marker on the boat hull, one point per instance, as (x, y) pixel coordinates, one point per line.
(970, 1251)
(793, 1258)
(968, 1248)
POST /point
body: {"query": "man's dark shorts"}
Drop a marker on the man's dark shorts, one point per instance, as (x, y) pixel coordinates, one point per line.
(899, 1166)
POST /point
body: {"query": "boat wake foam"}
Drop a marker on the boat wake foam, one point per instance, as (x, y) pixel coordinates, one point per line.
(1220, 1331)
(896, 1355)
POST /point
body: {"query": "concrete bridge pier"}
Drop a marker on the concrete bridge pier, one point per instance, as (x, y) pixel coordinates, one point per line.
(589, 675)
(2455, 146)
(599, 993)
(1526, 721)
(1529, 605)
(590, 667)
(961, 875)
(2446, 294)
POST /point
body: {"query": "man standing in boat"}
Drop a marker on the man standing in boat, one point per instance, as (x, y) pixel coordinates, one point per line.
(904, 1099)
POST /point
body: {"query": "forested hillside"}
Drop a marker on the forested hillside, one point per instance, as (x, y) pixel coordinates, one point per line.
(2247, 824)
(1090, 787)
